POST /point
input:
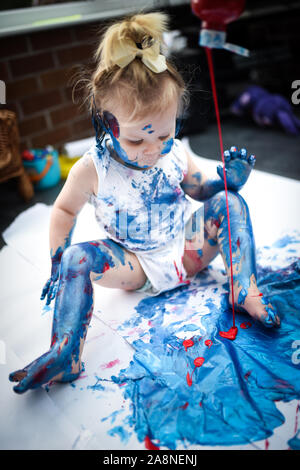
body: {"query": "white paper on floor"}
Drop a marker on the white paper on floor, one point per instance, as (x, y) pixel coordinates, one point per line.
(87, 413)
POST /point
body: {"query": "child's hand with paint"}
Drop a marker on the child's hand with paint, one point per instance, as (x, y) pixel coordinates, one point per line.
(238, 167)
(50, 288)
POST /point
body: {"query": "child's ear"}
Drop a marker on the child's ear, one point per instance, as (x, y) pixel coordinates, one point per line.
(111, 123)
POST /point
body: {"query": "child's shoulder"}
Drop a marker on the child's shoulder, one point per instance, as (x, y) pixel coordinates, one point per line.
(180, 154)
(84, 171)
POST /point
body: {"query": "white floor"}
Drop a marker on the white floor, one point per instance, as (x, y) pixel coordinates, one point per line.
(82, 416)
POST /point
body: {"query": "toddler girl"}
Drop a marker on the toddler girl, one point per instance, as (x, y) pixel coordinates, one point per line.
(138, 175)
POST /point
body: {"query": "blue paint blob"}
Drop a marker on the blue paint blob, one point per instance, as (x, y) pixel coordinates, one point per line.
(167, 146)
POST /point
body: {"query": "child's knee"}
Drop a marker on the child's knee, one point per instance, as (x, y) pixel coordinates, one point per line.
(74, 258)
(235, 201)
(82, 258)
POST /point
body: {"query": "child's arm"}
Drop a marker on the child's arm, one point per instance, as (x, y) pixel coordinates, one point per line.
(237, 166)
(80, 185)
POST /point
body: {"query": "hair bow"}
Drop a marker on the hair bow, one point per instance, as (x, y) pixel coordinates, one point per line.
(148, 51)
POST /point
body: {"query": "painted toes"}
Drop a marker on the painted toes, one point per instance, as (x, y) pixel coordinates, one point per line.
(234, 152)
(251, 160)
(243, 154)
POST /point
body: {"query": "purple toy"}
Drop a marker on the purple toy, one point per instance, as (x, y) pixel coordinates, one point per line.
(266, 109)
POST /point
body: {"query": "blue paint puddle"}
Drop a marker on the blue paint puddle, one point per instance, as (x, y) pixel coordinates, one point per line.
(232, 397)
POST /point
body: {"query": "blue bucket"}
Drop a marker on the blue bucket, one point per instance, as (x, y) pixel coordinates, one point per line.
(42, 166)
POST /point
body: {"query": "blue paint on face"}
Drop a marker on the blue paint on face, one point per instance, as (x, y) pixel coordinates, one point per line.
(232, 398)
(122, 154)
(167, 146)
(113, 133)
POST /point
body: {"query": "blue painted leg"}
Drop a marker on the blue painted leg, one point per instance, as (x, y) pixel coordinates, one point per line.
(246, 292)
(72, 314)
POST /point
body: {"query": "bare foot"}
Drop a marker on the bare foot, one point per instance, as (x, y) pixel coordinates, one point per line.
(258, 307)
(55, 365)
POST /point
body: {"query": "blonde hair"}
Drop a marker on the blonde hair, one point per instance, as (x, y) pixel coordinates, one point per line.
(134, 86)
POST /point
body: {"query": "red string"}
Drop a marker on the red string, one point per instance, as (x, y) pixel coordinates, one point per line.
(214, 90)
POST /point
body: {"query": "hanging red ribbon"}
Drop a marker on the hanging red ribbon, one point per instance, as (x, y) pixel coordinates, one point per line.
(214, 90)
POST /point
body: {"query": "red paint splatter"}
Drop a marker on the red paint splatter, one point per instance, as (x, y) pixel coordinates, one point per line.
(149, 444)
(247, 375)
(184, 407)
(245, 325)
(230, 334)
(208, 343)
(267, 444)
(189, 379)
(180, 276)
(105, 267)
(54, 339)
(188, 343)
(200, 404)
(82, 260)
(197, 363)
(280, 383)
(110, 364)
(215, 97)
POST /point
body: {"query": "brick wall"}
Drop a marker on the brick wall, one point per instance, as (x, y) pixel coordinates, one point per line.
(37, 69)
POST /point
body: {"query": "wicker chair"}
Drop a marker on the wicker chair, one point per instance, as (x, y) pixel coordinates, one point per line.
(11, 165)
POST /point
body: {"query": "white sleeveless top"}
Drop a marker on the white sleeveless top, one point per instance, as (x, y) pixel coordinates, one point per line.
(145, 211)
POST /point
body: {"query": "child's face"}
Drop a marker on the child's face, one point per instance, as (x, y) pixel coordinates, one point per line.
(143, 142)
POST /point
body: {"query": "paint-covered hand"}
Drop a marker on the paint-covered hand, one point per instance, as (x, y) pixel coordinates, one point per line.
(50, 288)
(238, 166)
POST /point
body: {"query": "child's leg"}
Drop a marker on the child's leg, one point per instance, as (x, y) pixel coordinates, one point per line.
(198, 255)
(104, 262)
